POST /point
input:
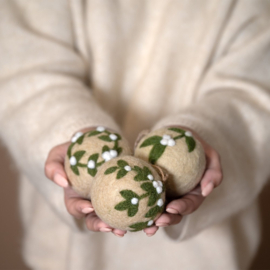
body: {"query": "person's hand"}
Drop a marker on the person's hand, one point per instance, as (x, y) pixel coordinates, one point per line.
(76, 206)
(190, 202)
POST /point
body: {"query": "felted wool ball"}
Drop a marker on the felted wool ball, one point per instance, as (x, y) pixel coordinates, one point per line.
(128, 193)
(88, 152)
(179, 153)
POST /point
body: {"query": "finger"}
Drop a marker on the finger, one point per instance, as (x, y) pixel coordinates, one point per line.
(119, 233)
(151, 230)
(75, 205)
(167, 219)
(54, 166)
(186, 205)
(213, 175)
(211, 179)
(94, 223)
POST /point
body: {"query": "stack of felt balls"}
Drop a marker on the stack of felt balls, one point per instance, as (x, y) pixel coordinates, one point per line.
(128, 191)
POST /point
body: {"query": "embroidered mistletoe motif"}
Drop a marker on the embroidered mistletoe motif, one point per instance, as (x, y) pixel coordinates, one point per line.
(132, 199)
(160, 143)
(92, 164)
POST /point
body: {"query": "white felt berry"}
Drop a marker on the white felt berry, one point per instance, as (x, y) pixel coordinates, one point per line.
(72, 161)
(113, 137)
(167, 140)
(91, 164)
(164, 142)
(155, 184)
(150, 177)
(171, 142)
(76, 136)
(127, 168)
(100, 129)
(159, 190)
(106, 155)
(160, 202)
(150, 223)
(134, 200)
(188, 134)
(166, 137)
(113, 153)
(160, 183)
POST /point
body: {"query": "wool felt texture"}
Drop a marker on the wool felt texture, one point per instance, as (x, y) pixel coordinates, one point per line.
(88, 152)
(128, 193)
(135, 65)
(176, 151)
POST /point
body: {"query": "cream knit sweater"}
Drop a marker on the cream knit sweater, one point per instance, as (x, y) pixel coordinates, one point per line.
(131, 65)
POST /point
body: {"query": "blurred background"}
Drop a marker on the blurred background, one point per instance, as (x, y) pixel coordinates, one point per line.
(11, 231)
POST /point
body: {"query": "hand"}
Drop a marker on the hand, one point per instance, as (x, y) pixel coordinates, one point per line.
(190, 202)
(76, 206)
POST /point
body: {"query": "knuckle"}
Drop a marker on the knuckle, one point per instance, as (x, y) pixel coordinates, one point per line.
(215, 154)
(48, 169)
(89, 222)
(219, 176)
(69, 207)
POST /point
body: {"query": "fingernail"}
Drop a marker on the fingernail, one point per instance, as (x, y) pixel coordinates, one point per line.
(149, 234)
(119, 235)
(87, 210)
(208, 189)
(105, 229)
(162, 224)
(172, 211)
(60, 180)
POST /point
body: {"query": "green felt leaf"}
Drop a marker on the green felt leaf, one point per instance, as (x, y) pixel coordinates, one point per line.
(69, 150)
(75, 170)
(78, 155)
(81, 165)
(92, 172)
(121, 163)
(94, 157)
(93, 133)
(156, 152)
(121, 173)
(138, 226)
(137, 169)
(191, 143)
(100, 163)
(178, 130)
(153, 197)
(132, 210)
(151, 191)
(111, 170)
(151, 141)
(128, 194)
(153, 212)
(178, 137)
(105, 148)
(148, 187)
(115, 145)
(142, 173)
(118, 136)
(105, 138)
(119, 150)
(122, 206)
(80, 139)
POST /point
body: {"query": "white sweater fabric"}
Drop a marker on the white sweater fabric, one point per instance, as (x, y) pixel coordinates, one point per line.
(130, 65)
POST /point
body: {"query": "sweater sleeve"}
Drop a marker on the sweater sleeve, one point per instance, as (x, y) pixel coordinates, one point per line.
(232, 113)
(43, 89)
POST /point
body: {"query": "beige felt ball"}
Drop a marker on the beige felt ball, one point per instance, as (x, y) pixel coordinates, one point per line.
(179, 153)
(88, 152)
(128, 193)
